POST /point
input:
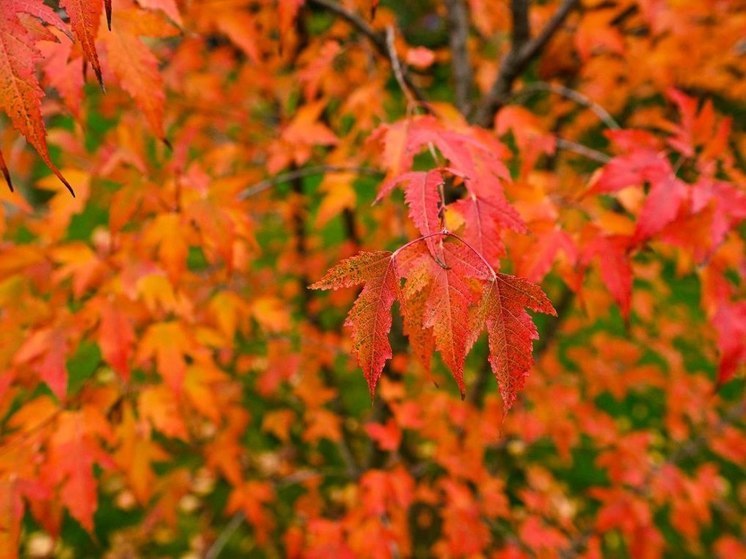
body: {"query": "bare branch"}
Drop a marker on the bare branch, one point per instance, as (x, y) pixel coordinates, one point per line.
(268, 183)
(463, 75)
(521, 24)
(571, 94)
(224, 536)
(396, 64)
(518, 59)
(378, 40)
(580, 149)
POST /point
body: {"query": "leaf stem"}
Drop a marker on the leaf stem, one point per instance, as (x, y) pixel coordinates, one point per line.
(446, 233)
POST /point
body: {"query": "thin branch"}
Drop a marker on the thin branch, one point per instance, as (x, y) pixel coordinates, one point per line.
(269, 182)
(517, 60)
(463, 75)
(396, 65)
(571, 94)
(521, 24)
(218, 545)
(585, 151)
(378, 41)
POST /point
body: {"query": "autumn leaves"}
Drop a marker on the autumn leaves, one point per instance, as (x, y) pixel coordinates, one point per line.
(24, 44)
(451, 291)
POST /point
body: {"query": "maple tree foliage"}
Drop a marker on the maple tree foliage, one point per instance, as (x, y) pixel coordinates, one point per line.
(532, 215)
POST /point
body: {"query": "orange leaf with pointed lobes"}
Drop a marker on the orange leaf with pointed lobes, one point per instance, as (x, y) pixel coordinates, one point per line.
(116, 337)
(251, 498)
(168, 343)
(159, 405)
(168, 7)
(45, 350)
(134, 64)
(74, 449)
(85, 16)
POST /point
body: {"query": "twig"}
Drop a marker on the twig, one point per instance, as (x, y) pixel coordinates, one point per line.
(571, 94)
(458, 23)
(521, 24)
(218, 545)
(580, 149)
(396, 65)
(269, 182)
(378, 41)
(517, 60)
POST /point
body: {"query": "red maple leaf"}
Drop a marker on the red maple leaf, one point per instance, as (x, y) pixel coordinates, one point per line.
(370, 318)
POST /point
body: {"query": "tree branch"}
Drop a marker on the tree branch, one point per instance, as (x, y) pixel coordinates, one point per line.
(463, 76)
(269, 182)
(571, 94)
(377, 40)
(520, 56)
(585, 151)
(224, 536)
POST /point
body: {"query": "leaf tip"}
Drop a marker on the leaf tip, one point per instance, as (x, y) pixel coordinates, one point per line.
(67, 184)
(6, 174)
(107, 7)
(99, 77)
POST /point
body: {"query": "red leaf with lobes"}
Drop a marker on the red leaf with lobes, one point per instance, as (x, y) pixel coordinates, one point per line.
(134, 64)
(45, 350)
(84, 19)
(370, 317)
(661, 207)
(72, 454)
(730, 324)
(449, 310)
(616, 270)
(423, 198)
(115, 338)
(20, 92)
(413, 264)
(510, 330)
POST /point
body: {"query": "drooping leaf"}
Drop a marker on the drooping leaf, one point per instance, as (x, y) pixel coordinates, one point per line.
(20, 92)
(45, 351)
(74, 450)
(665, 200)
(85, 16)
(730, 324)
(169, 7)
(134, 64)
(369, 319)
(451, 305)
(612, 255)
(116, 337)
(422, 195)
(413, 264)
(511, 331)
